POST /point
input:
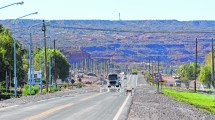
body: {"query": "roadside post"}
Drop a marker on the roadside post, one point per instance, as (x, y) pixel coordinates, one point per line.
(158, 78)
(161, 82)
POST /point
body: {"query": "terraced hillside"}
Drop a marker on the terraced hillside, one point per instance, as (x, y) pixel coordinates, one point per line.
(173, 41)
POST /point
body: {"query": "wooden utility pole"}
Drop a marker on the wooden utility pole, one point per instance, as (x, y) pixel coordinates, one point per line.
(212, 63)
(45, 71)
(196, 67)
(55, 77)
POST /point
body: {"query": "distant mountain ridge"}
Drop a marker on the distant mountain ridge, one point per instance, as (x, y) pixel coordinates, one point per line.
(172, 40)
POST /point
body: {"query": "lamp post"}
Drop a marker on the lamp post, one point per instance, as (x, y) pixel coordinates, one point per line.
(41, 45)
(50, 64)
(30, 56)
(17, 3)
(41, 82)
(212, 63)
(15, 79)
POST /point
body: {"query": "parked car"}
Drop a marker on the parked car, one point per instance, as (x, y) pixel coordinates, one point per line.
(92, 74)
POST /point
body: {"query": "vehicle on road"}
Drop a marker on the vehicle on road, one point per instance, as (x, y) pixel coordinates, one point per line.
(80, 74)
(134, 71)
(113, 80)
(178, 83)
(91, 74)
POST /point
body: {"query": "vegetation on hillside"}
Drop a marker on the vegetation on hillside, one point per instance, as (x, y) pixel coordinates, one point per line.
(109, 39)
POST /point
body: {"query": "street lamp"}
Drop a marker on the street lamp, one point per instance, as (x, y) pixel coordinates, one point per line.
(41, 45)
(30, 56)
(15, 79)
(18, 3)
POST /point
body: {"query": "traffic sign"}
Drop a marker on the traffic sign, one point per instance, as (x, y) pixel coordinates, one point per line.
(158, 76)
(162, 82)
(151, 79)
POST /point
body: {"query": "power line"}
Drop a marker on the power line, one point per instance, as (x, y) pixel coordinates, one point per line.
(131, 31)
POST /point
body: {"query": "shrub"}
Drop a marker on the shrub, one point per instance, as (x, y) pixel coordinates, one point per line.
(2, 86)
(56, 88)
(171, 85)
(79, 85)
(88, 82)
(26, 90)
(64, 85)
(44, 91)
(36, 88)
(5, 95)
(53, 89)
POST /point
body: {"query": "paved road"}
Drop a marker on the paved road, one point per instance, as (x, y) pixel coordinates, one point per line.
(89, 106)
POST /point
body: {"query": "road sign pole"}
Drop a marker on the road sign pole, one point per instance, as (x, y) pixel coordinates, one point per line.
(157, 77)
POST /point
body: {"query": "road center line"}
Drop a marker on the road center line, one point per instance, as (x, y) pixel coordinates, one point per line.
(121, 108)
(35, 117)
(90, 97)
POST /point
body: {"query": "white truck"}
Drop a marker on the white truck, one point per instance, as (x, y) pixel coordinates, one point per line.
(113, 80)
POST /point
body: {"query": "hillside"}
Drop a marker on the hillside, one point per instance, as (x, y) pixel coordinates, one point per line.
(173, 41)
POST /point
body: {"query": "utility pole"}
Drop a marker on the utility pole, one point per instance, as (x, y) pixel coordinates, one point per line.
(195, 68)
(45, 71)
(212, 63)
(153, 67)
(55, 79)
(30, 65)
(149, 67)
(158, 81)
(158, 63)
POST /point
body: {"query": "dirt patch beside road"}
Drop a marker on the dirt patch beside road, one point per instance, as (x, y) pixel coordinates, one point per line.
(148, 105)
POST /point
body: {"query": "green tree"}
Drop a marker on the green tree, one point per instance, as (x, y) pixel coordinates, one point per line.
(205, 75)
(62, 65)
(187, 72)
(6, 55)
(207, 70)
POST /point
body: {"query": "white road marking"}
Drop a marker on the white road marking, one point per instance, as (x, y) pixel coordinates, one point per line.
(136, 81)
(8, 107)
(121, 108)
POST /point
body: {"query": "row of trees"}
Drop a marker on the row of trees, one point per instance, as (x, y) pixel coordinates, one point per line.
(62, 65)
(187, 72)
(7, 53)
(7, 59)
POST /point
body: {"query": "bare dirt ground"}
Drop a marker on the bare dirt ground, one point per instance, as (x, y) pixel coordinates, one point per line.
(147, 104)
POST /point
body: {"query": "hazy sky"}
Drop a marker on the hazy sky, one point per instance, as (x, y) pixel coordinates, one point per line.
(110, 9)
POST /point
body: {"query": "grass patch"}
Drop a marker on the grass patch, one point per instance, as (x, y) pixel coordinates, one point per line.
(202, 101)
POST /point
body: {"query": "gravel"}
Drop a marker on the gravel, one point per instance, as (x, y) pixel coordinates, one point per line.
(149, 105)
(35, 98)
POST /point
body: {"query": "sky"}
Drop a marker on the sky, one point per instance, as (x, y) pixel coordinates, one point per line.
(182, 10)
